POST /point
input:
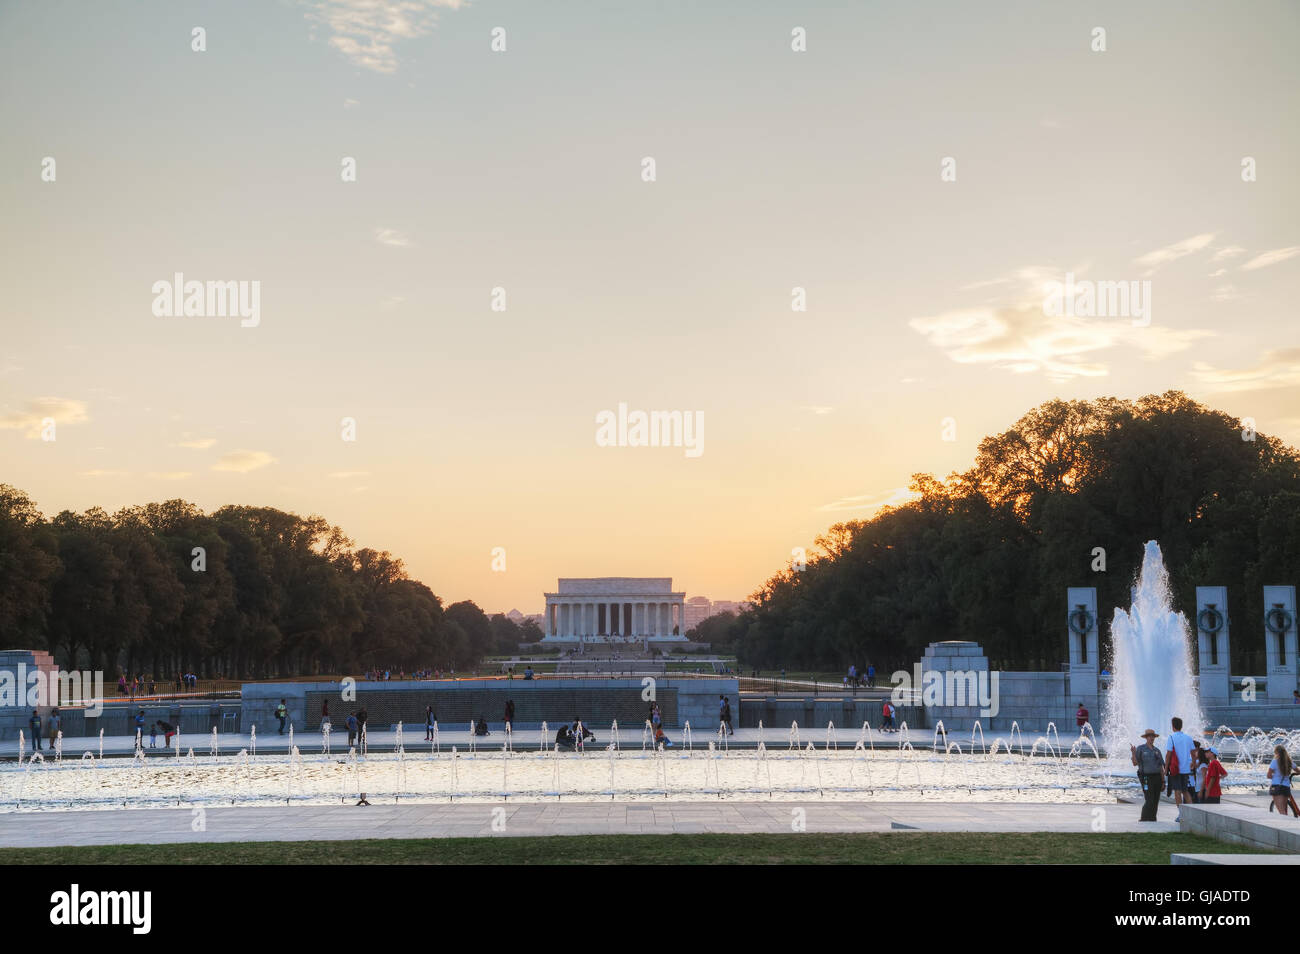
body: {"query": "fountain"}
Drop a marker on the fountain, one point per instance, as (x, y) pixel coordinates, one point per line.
(1153, 667)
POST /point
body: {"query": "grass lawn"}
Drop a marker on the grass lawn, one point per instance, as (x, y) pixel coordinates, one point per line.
(868, 848)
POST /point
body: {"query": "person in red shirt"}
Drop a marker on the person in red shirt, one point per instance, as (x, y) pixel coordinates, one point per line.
(1215, 772)
(1081, 717)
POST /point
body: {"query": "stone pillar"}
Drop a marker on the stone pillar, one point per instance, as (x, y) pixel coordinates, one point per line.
(613, 618)
(1280, 642)
(32, 677)
(550, 618)
(1083, 664)
(1212, 646)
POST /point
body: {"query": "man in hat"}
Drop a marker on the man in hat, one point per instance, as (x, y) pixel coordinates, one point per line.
(1151, 773)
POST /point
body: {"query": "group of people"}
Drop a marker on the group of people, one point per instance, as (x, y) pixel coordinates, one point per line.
(137, 685)
(887, 713)
(386, 675)
(570, 737)
(661, 741)
(864, 678)
(1189, 772)
(52, 723)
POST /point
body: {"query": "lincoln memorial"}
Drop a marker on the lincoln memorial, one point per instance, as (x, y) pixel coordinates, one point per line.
(623, 608)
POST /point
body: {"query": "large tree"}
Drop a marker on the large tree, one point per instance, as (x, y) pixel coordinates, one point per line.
(1067, 496)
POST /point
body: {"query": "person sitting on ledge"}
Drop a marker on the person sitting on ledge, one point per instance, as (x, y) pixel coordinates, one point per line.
(564, 738)
(480, 727)
(662, 741)
(586, 734)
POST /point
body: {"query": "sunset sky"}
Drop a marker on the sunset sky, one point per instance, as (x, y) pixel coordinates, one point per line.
(522, 169)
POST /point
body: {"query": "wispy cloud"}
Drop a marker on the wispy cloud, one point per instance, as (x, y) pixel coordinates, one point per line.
(818, 409)
(202, 443)
(1227, 252)
(1266, 259)
(1012, 333)
(391, 237)
(1170, 253)
(103, 473)
(62, 411)
(170, 475)
(242, 461)
(871, 502)
(1275, 369)
(1022, 339)
(348, 474)
(367, 31)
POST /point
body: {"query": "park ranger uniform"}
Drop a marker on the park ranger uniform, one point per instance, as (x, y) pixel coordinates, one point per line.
(1149, 768)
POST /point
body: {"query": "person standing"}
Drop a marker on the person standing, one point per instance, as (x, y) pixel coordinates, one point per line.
(281, 713)
(1150, 772)
(362, 718)
(1178, 763)
(168, 731)
(325, 713)
(35, 723)
(1081, 717)
(1213, 772)
(1279, 779)
(352, 728)
(510, 713)
(726, 715)
(1202, 757)
(871, 676)
(53, 722)
(428, 723)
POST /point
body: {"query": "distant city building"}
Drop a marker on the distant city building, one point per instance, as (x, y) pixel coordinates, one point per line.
(519, 618)
(729, 606)
(698, 609)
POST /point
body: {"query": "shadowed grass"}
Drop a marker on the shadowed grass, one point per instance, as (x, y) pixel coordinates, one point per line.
(918, 848)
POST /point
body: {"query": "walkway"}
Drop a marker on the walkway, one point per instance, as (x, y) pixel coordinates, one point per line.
(345, 822)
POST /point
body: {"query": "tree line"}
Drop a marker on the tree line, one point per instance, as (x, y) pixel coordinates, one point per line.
(1066, 497)
(244, 592)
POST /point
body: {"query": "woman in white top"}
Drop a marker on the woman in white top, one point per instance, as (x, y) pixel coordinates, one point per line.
(1202, 766)
(1279, 778)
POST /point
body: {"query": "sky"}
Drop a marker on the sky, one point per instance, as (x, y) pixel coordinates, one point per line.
(922, 171)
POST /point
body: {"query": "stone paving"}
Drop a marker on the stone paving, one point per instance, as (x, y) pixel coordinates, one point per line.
(345, 822)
